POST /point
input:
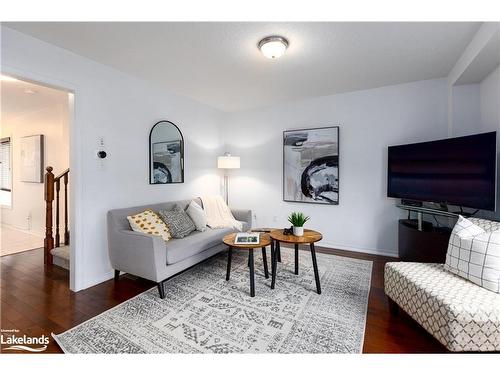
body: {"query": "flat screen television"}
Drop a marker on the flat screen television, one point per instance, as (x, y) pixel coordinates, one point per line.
(458, 171)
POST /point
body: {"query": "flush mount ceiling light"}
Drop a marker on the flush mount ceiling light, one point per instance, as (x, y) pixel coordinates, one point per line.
(273, 46)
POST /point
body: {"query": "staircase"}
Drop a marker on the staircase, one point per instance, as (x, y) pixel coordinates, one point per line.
(55, 251)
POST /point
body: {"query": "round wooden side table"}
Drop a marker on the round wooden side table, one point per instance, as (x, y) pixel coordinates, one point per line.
(309, 237)
(265, 240)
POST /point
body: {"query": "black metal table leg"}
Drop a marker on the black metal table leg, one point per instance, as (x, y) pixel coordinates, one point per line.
(278, 250)
(315, 266)
(228, 272)
(264, 260)
(252, 281)
(296, 258)
(274, 265)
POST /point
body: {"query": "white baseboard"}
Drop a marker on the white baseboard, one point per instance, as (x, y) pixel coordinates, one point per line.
(96, 280)
(15, 227)
(385, 253)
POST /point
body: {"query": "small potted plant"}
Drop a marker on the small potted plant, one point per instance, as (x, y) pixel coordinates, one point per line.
(298, 219)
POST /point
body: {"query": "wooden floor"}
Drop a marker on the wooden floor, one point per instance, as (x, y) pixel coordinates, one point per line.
(36, 300)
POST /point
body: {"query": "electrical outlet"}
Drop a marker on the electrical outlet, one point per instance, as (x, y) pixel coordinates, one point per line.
(28, 221)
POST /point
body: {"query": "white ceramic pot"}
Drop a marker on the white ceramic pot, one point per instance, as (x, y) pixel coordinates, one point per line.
(298, 231)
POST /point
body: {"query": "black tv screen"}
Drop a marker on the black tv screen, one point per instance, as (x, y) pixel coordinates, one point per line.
(458, 171)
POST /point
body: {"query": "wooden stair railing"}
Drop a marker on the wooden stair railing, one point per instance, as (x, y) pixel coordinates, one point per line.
(52, 190)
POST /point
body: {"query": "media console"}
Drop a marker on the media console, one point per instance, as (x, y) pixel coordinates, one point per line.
(421, 241)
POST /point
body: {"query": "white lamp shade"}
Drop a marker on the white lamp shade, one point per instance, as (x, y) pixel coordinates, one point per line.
(228, 162)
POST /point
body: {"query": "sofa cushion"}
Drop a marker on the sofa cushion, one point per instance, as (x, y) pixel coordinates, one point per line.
(245, 226)
(118, 217)
(474, 253)
(150, 223)
(461, 315)
(195, 243)
(178, 222)
(198, 215)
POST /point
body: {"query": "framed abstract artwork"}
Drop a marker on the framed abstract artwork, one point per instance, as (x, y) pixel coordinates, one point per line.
(31, 169)
(311, 165)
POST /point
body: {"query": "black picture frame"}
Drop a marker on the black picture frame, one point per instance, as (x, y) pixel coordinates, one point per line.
(151, 156)
(333, 203)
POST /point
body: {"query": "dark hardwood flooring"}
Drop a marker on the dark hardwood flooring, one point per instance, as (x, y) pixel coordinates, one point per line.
(36, 300)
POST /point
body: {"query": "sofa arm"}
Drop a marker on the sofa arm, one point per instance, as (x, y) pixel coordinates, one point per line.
(243, 215)
(137, 253)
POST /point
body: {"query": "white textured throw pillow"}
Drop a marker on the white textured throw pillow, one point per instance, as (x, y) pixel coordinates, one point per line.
(474, 254)
(197, 214)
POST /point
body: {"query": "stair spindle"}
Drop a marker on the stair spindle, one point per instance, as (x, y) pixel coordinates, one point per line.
(48, 242)
(58, 238)
(66, 230)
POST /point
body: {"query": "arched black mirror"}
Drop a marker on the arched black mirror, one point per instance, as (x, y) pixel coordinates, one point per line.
(166, 154)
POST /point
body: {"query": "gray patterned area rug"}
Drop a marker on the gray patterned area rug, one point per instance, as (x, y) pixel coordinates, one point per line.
(204, 313)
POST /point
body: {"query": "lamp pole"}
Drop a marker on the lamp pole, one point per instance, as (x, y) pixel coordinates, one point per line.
(227, 162)
(226, 187)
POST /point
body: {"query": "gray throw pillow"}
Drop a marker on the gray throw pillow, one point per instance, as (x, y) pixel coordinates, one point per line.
(198, 215)
(178, 221)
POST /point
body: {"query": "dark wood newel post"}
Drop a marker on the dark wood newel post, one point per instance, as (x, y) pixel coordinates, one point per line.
(48, 243)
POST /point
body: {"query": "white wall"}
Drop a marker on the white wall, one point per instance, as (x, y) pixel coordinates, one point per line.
(370, 120)
(466, 110)
(121, 109)
(50, 118)
(490, 101)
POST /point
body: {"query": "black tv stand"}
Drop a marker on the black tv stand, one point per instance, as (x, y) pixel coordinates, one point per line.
(426, 210)
(408, 202)
(421, 241)
(428, 245)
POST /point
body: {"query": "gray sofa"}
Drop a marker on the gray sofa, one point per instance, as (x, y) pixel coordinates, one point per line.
(152, 258)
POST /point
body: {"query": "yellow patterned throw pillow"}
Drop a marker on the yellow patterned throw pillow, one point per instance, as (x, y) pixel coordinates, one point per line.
(149, 222)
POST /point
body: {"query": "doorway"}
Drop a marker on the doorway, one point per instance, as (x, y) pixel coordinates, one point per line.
(34, 134)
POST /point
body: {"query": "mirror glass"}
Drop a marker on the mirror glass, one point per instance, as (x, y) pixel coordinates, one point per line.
(166, 154)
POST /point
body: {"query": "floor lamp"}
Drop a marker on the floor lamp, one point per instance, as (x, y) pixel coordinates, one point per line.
(227, 162)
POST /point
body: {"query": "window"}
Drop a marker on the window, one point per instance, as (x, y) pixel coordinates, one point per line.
(5, 172)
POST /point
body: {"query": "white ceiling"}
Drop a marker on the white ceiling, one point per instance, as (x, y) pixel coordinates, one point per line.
(219, 63)
(20, 98)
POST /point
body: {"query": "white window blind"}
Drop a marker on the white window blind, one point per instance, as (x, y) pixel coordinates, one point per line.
(5, 165)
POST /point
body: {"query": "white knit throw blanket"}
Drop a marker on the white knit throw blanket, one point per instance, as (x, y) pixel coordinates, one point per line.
(218, 213)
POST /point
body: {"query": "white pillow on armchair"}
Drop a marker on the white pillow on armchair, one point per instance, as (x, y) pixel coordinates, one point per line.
(474, 254)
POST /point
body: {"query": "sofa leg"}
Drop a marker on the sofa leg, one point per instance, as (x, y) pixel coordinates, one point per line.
(161, 289)
(117, 275)
(393, 306)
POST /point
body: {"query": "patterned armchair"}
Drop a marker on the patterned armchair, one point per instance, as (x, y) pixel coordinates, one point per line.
(460, 314)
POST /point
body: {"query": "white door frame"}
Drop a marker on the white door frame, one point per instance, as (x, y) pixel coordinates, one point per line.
(76, 277)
